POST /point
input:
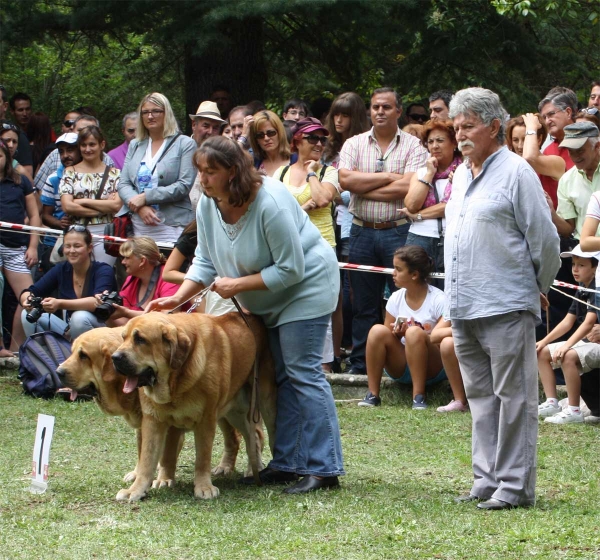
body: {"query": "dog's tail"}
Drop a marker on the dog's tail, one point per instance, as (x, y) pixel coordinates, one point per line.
(256, 436)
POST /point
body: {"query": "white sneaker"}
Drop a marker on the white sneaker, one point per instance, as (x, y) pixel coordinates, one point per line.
(591, 419)
(548, 409)
(565, 417)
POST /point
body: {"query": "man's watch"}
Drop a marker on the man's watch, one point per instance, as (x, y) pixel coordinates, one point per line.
(311, 174)
(530, 132)
(419, 218)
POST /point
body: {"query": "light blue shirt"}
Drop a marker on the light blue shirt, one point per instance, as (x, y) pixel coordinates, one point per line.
(501, 247)
(279, 241)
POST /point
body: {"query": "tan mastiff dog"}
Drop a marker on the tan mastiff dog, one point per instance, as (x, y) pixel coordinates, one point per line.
(194, 370)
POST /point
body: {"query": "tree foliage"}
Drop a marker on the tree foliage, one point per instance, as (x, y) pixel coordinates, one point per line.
(110, 53)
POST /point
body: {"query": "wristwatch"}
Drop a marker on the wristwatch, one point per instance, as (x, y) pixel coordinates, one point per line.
(419, 218)
(530, 132)
(311, 174)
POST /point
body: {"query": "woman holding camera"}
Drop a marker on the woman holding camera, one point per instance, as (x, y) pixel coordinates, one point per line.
(144, 265)
(77, 280)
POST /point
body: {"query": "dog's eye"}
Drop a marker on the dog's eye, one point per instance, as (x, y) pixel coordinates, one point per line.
(138, 339)
(83, 355)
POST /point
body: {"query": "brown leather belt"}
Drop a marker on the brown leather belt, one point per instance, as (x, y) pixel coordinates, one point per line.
(379, 225)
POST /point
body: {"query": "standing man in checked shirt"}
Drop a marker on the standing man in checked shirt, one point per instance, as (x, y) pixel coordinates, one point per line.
(376, 168)
(501, 251)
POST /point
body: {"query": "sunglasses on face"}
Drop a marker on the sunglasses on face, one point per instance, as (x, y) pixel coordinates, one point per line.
(269, 133)
(69, 123)
(418, 117)
(314, 139)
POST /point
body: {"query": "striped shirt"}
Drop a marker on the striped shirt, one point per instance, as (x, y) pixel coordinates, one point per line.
(360, 153)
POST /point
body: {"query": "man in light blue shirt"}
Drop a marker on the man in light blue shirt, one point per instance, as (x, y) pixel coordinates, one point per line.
(501, 251)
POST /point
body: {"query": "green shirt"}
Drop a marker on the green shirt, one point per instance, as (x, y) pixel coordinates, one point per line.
(574, 192)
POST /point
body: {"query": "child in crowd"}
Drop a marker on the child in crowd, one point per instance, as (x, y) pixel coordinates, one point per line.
(575, 355)
(403, 344)
(442, 335)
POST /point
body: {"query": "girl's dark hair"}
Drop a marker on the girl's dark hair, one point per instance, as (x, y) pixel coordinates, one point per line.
(350, 104)
(220, 151)
(87, 236)
(416, 259)
(39, 132)
(88, 131)
(192, 227)
(9, 171)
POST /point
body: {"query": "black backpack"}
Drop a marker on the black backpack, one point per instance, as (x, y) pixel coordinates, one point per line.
(40, 355)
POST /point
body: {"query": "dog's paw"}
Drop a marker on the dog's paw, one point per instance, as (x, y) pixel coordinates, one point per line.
(131, 495)
(130, 477)
(206, 492)
(163, 483)
(123, 495)
(223, 470)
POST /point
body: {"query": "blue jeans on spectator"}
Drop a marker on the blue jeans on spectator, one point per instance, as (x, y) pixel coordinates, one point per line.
(307, 440)
(80, 322)
(373, 247)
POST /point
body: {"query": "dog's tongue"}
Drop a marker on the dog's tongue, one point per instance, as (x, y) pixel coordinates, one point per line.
(130, 384)
(73, 395)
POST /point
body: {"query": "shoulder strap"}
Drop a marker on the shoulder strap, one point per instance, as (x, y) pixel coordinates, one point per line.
(437, 200)
(167, 147)
(103, 184)
(283, 172)
(322, 174)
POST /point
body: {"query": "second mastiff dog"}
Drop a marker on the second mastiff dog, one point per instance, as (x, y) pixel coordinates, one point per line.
(194, 369)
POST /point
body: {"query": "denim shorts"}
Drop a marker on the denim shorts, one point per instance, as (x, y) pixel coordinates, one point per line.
(406, 379)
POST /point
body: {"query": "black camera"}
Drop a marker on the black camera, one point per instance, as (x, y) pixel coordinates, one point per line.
(104, 311)
(36, 309)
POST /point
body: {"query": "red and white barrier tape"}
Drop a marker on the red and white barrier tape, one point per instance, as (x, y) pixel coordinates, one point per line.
(32, 230)
(381, 270)
(162, 245)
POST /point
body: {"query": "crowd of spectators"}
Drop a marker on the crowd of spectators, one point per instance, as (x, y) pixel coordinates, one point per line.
(376, 192)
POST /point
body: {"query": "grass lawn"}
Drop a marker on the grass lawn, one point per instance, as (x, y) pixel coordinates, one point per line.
(404, 469)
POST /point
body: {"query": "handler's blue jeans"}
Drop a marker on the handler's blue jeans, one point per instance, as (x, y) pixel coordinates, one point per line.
(307, 440)
(373, 247)
(81, 321)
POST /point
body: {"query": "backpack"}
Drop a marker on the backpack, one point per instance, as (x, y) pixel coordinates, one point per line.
(40, 355)
(121, 226)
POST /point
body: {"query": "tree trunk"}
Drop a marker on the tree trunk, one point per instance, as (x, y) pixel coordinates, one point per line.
(236, 62)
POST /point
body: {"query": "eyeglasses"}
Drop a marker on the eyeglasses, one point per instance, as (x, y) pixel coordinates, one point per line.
(590, 110)
(8, 126)
(315, 139)
(551, 114)
(379, 166)
(69, 123)
(296, 113)
(268, 133)
(418, 117)
(77, 228)
(130, 130)
(152, 112)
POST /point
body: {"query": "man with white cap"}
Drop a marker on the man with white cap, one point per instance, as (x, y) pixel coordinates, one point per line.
(577, 185)
(206, 122)
(576, 355)
(52, 212)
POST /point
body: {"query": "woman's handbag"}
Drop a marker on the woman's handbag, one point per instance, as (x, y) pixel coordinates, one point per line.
(121, 226)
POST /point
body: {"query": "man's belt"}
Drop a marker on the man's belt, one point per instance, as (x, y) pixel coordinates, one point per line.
(379, 225)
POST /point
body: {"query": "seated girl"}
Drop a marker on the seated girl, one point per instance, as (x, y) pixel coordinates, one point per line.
(144, 265)
(402, 345)
(77, 280)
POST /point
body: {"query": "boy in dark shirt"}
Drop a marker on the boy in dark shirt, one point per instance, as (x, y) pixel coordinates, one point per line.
(576, 355)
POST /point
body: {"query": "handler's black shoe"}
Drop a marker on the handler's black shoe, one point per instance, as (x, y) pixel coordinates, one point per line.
(467, 498)
(271, 476)
(311, 483)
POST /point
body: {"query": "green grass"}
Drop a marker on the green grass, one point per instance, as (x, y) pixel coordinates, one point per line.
(404, 469)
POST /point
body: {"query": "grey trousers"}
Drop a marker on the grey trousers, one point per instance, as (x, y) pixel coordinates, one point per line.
(499, 367)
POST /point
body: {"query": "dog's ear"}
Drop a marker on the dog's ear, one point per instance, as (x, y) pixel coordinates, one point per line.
(179, 345)
(108, 368)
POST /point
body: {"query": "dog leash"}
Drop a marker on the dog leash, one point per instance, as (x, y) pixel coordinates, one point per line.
(254, 402)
